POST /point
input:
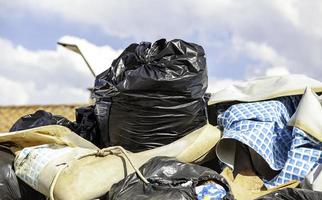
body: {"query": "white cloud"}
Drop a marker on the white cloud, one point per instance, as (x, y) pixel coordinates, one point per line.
(215, 84)
(305, 15)
(12, 91)
(277, 71)
(289, 9)
(245, 38)
(259, 51)
(47, 76)
(127, 18)
(267, 61)
(99, 58)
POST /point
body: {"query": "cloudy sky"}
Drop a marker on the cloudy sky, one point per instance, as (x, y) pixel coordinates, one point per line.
(243, 39)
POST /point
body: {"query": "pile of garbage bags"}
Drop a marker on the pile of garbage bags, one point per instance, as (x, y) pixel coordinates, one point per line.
(153, 133)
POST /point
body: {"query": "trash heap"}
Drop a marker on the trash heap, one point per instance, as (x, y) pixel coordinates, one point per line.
(153, 133)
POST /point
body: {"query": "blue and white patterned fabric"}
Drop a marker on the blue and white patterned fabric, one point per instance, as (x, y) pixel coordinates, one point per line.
(210, 191)
(304, 155)
(263, 127)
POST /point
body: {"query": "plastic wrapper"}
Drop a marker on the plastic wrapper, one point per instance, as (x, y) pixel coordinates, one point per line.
(168, 179)
(152, 95)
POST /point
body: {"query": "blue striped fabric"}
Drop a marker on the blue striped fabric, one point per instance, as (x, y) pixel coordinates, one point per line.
(263, 127)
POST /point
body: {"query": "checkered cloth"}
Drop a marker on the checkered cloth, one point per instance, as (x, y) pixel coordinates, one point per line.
(263, 127)
(210, 191)
(305, 153)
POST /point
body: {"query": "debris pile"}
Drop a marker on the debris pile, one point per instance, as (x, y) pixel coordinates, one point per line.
(153, 133)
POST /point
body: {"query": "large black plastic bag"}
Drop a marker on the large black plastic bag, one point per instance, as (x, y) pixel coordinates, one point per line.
(41, 118)
(169, 179)
(152, 94)
(87, 126)
(11, 187)
(292, 194)
(102, 109)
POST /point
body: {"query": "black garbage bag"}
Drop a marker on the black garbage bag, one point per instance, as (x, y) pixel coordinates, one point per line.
(168, 179)
(28, 193)
(87, 126)
(102, 110)
(41, 118)
(86, 123)
(292, 194)
(11, 187)
(152, 95)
